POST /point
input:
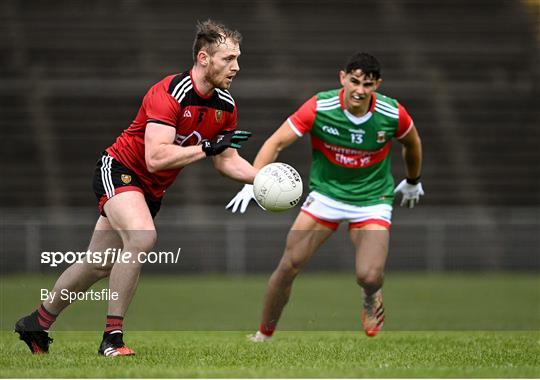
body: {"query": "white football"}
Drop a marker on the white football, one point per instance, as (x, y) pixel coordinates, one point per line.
(277, 187)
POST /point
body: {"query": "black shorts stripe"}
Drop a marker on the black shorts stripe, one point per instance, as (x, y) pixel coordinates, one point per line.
(111, 176)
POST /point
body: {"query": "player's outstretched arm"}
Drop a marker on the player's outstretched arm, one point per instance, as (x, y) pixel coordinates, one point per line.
(232, 165)
(272, 147)
(411, 187)
(282, 138)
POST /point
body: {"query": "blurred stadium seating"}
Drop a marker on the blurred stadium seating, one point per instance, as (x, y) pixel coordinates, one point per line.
(72, 75)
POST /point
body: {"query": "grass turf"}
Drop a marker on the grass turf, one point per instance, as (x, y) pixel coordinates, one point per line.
(291, 354)
(326, 302)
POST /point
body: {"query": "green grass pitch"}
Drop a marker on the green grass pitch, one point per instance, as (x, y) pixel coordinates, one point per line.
(194, 326)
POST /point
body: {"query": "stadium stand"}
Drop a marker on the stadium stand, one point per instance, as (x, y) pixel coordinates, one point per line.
(73, 74)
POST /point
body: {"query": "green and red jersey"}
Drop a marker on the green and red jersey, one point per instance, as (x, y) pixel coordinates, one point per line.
(351, 155)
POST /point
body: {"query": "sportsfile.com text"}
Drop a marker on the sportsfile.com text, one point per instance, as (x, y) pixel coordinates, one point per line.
(109, 256)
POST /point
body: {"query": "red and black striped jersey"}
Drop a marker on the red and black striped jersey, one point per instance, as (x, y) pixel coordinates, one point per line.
(175, 103)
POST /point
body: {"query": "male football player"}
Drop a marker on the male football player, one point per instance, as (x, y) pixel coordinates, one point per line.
(351, 130)
(183, 118)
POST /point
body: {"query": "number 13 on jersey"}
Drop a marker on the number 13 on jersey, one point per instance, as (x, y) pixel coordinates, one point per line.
(357, 138)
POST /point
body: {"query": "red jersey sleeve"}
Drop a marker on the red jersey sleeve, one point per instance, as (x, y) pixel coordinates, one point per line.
(160, 107)
(302, 120)
(230, 122)
(405, 122)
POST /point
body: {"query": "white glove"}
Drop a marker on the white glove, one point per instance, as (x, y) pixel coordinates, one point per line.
(411, 193)
(241, 199)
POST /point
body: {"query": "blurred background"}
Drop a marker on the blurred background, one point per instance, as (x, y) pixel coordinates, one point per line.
(73, 74)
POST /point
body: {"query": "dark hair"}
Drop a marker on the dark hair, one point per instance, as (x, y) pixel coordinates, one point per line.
(369, 65)
(211, 34)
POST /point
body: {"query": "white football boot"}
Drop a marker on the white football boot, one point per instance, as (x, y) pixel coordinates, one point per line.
(259, 337)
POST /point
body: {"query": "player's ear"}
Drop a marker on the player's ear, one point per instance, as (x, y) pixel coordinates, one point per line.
(342, 75)
(378, 83)
(203, 58)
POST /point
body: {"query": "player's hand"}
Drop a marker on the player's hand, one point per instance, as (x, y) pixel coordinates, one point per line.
(241, 199)
(411, 193)
(222, 142)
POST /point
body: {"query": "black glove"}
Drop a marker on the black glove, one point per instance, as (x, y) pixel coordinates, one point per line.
(222, 142)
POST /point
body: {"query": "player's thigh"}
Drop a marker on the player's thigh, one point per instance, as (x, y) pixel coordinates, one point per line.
(305, 236)
(128, 214)
(371, 247)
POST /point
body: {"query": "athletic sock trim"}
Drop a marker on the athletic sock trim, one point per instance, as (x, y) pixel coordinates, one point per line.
(114, 324)
(267, 329)
(45, 318)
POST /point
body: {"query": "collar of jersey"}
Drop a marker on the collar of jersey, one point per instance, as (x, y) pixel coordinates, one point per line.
(355, 119)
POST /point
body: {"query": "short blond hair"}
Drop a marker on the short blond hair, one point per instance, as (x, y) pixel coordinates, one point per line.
(210, 35)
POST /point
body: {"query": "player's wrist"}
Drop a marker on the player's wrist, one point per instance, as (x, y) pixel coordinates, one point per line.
(208, 148)
(413, 181)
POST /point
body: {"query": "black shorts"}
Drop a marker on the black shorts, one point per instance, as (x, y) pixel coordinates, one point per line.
(111, 178)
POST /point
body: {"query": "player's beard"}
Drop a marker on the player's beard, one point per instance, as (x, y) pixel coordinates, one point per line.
(212, 76)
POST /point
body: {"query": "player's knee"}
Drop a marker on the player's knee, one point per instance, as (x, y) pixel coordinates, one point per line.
(102, 271)
(95, 270)
(372, 277)
(289, 268)
(143, 240)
